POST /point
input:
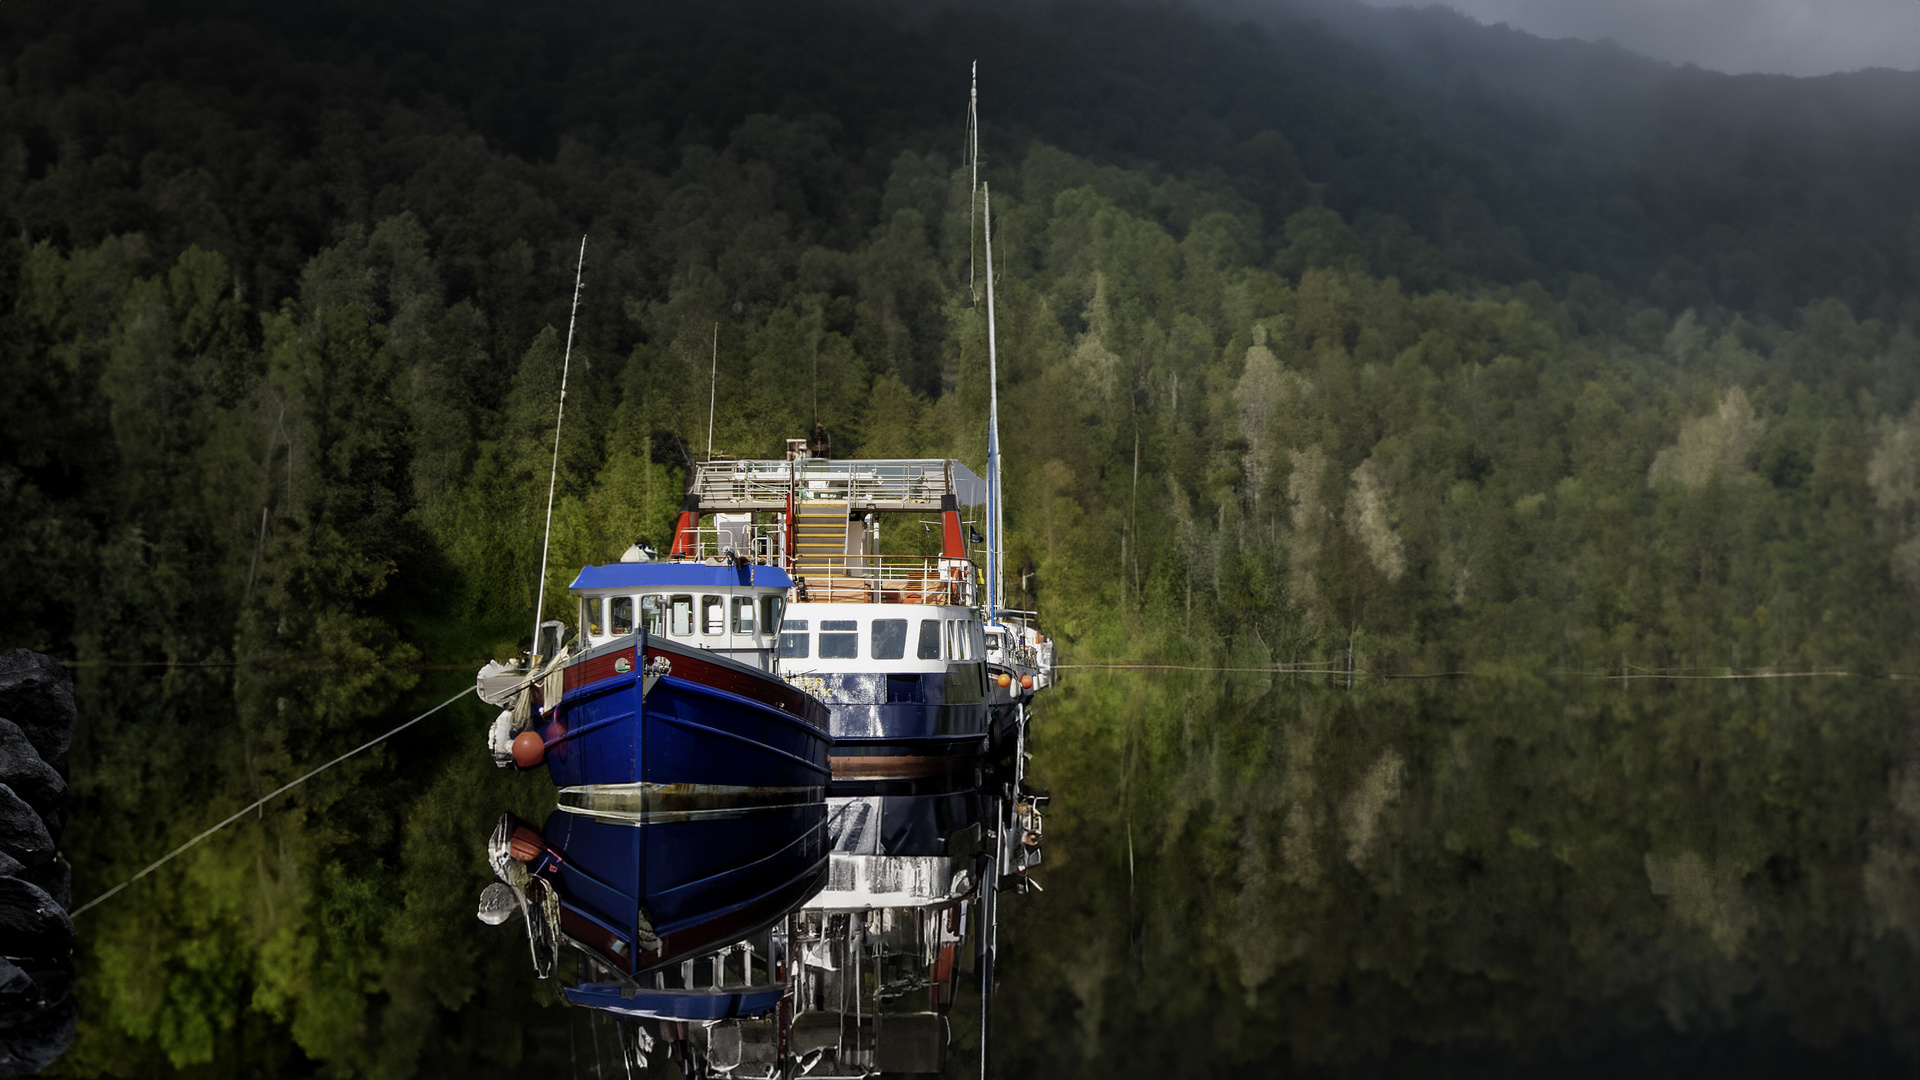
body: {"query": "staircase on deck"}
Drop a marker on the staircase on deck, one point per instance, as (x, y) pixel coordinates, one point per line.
(830, 556)
(819, 538)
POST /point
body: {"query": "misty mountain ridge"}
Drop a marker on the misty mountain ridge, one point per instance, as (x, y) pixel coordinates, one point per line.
(1534, 158)
(1454, 152)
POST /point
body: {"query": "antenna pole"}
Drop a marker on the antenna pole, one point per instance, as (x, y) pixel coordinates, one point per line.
(993, 430)
(713, 388)
(553, 473)
(973, 170)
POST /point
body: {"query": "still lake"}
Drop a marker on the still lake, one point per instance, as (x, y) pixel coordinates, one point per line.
(1245, 875)
(1252, 876)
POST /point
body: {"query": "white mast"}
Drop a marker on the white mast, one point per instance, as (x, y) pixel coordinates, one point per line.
(993, 432)
(553, 475)
(973, 170)
(713, 388)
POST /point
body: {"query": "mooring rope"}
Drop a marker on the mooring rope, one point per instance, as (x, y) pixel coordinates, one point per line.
(262, 801)
(1315, 670)
(1389, 676)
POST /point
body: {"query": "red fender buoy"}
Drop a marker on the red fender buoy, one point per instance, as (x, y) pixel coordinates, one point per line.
(1026, 682)
(528, 750)
(526, 845)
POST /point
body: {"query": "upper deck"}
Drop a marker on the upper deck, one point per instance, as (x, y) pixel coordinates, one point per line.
(863, 484)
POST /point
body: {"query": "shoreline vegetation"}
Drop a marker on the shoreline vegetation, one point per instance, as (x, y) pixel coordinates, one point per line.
(1294, 389)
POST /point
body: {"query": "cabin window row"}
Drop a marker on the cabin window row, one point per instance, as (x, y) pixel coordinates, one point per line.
(839, 639)
(683, 615)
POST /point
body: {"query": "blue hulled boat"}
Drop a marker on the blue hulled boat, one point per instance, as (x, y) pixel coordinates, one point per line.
(691, 806)
(893, 644)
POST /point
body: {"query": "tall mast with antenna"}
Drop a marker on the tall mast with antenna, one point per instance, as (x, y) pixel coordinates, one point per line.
(993, 432)
(973, 170)
(713, 388)
(553, 473)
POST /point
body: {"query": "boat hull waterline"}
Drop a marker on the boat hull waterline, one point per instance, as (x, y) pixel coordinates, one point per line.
(691, 803)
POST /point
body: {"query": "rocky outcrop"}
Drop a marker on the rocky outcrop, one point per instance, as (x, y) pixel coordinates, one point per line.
(26, 772)
(37, 1016)
(36, 693)
(37, 1008)
(22, 834)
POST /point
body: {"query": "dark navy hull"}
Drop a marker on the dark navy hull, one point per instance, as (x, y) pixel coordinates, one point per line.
(907, 725)
(932, 816)
(700, 883)
(709, 720)
(692, 813)
(652, 1004)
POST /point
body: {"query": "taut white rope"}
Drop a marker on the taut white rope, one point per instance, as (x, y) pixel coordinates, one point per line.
(262, 801)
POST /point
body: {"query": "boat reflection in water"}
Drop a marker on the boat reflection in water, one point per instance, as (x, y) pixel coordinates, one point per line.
(904, 926)
(791, 778)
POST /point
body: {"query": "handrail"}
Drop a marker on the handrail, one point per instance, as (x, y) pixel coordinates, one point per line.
(895, 483)
(892, 579)
(767, 541)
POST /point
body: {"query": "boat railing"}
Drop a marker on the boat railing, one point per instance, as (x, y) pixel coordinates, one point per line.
(886, 484)
(902, 483)
(888, 579)
(762, 541)
(744, 483)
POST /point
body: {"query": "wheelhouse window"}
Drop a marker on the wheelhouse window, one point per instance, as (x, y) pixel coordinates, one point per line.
(839, 639)
(743, 614)
(653, 613)
(976, 640)
(713, 615)
(794, 639)
(621, 617)
(770, 608)
(680, 616)
(888, 639)
(591, 610)
(929, 640)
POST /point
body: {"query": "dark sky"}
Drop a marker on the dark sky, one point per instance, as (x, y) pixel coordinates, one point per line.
(1793, 37)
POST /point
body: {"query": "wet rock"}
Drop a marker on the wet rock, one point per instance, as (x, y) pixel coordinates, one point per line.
(16, 988)
(32, 926)
(22, 834)
(23, 770)
(36, 693)
(30, 989)
(54, 878)
(54, 982)
(9, 866)
(37, 1015)
(36, 1043)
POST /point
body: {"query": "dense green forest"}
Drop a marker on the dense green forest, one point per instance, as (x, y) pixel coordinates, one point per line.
(1291, 374)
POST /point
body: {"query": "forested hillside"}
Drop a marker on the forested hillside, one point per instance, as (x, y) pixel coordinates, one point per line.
(1286, 377)
(1688, 187)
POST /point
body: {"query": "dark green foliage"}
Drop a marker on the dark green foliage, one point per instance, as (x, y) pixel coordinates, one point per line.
(284, 306)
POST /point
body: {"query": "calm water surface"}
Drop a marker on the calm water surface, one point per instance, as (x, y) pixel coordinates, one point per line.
(1245, 876)
(1473, 876)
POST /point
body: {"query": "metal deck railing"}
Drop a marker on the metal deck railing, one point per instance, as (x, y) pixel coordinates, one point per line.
(915, 484)
(762, 541)
(888, 579)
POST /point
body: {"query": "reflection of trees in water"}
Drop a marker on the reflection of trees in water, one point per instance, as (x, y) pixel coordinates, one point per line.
(339, 922)
(1541, 869)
